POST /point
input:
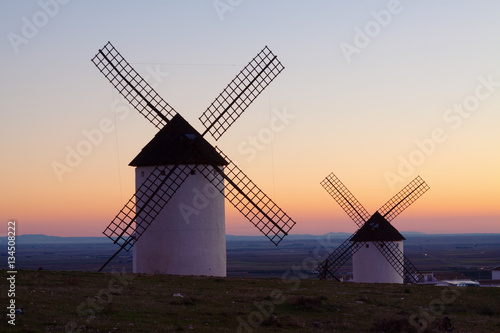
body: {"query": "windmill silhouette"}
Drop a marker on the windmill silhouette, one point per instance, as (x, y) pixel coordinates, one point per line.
(376, 247)
(178, 152)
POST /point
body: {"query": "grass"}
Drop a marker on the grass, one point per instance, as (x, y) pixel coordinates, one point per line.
(59, 301)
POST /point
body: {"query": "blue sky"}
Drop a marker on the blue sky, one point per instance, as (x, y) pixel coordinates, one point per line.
(357, 115)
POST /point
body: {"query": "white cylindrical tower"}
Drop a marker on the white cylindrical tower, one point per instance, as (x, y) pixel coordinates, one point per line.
(369, 264)
(188, 236)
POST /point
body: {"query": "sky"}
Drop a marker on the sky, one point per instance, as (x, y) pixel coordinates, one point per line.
(377, 92)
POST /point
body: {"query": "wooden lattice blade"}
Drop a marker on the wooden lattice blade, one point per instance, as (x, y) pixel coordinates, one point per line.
(250, 201)
(241, 92)
(345, 199)
(132, 86)
(337, 258)
(144, 206)
(403, 199)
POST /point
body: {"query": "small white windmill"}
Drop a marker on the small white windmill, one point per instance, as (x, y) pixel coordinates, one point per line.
(369, 264)
(377, 247)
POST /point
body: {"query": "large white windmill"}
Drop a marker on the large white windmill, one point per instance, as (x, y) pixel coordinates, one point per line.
(174, 238)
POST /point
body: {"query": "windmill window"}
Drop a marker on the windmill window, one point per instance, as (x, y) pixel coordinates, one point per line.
(142, 173)
(193, 172)
(367, 245)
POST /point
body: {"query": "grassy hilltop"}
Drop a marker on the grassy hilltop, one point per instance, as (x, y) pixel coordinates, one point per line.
(58, 301)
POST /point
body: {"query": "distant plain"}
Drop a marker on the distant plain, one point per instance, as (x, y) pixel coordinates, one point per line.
(255, 257)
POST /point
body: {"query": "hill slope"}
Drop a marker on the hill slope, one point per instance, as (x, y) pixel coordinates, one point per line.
(101, 302)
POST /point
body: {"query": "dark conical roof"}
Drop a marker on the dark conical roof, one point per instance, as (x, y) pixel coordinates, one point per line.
(178, 143)
(377, 228)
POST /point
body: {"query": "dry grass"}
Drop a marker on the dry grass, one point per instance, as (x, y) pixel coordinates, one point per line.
(58, 301)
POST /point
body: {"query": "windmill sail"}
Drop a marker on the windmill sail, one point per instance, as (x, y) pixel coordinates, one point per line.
(338, 258)
(141, 210)
(345, 199)
(393, 255)
(254, 204)
(241, 92)
(403, 199)
(132, 86)
(401, 264)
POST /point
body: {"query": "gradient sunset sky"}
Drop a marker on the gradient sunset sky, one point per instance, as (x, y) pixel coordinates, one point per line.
(376, 92)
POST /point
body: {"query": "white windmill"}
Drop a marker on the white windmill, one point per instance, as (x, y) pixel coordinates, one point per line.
(185, 234)
(377, 247)
(369, 264)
